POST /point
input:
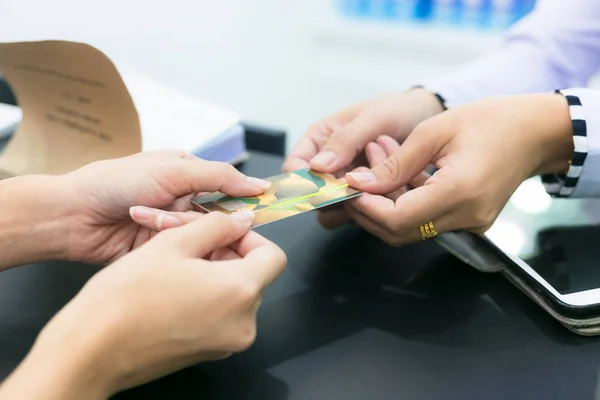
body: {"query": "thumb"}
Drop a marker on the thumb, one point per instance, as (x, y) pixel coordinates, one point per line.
(203, 236)
(346, 143)
(400, 168)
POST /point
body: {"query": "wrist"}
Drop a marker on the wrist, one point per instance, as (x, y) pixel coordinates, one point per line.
(52, 373)
(429, 104)
(556, 133)
(423, 105)
(33, 224)
(67, 363)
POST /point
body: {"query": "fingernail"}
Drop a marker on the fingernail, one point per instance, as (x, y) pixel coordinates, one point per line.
(362, 177)
(169, 221)
(244, 216)
(259, 183)
(324, 159)
(141, 213)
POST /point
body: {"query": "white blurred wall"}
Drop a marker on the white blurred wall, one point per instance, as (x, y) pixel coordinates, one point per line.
(283, 62)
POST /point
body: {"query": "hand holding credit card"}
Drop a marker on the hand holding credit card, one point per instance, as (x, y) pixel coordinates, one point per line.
(290, 194)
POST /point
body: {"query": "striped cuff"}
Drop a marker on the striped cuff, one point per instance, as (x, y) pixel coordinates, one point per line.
(563, 185)
(438, 96)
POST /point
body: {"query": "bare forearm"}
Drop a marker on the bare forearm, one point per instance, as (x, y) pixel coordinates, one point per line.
(31, 220)
(52, 376)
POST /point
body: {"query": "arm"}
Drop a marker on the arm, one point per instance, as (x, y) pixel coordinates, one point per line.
(90, 215)
(525, 135)
(556, 46)
(172, 303)
(31, 220)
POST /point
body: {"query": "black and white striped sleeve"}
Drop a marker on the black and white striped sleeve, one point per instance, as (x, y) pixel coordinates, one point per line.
(583, 176)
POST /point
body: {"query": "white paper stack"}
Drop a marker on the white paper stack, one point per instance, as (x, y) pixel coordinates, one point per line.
(171, 119)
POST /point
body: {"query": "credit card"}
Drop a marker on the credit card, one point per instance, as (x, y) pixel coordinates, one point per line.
(290, 194)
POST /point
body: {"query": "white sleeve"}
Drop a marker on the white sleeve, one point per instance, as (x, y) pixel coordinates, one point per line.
(556, 46)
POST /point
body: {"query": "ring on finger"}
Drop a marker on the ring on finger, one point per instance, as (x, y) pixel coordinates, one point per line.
(427, 231)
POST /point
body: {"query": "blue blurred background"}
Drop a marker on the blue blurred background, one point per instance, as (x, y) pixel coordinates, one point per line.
(478, 14)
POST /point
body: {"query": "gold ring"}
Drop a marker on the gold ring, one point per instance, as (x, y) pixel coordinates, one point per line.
(427, 231)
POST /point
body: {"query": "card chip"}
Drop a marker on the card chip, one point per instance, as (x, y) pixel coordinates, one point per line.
(232, 205)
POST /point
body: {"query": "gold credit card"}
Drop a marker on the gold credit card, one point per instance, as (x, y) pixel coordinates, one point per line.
(290, 194)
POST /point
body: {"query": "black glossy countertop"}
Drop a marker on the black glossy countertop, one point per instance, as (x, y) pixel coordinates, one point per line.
(352, 319)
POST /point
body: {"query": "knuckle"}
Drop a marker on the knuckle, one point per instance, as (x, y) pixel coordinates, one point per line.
(344, 141)
(389, 240)
(424, 127)
(332, 219)
(467, 190)
(222, 220)
(283, 261)
(222, 225)
(244, 293)
(179, 153)
(473, 200)
(391, 227)
(168, 237)
(483, 217)
(246, 336)
(279, 257)
(481, 229)
(390, 166)
(393, 240)
(226, 170)
(320, 131)
(169, 153)
(222, 355)
(287, 166)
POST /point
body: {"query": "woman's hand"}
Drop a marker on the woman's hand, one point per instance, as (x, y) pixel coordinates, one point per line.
(483, 152)
(189, 295)
(337, 144)
(101, 223)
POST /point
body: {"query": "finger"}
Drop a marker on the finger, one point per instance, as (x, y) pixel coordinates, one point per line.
(413, 209)
(262, 259)
(370, 226)
(294, 163)
(359, 169)
(381, 153)
(346, 143)
(300, 156)
(143, 235)
(224, 254)
(448, 222)
(183, 203)
(401, 167)
(389, 144)
(191, 175)
(316, 136)
(206, 234)
(419, 180)
(310, 144)
(375, 154)
(333, 218)
(249, 243)
(159, 220)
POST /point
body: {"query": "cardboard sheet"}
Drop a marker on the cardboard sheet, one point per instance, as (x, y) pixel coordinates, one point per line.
(76, 108)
